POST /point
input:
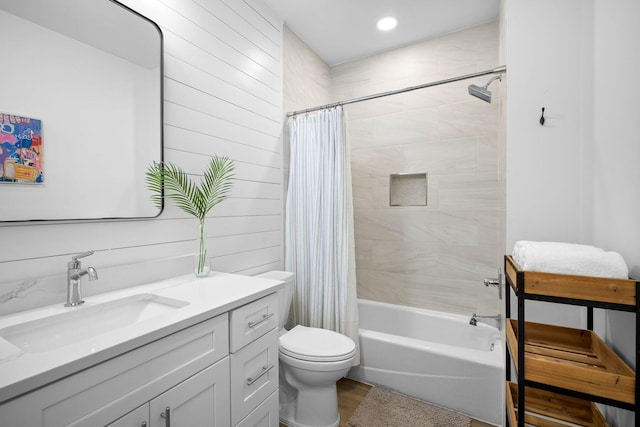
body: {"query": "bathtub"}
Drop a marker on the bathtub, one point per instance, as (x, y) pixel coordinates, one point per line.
(433, 356)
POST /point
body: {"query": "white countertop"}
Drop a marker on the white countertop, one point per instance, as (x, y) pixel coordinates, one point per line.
(206, 298)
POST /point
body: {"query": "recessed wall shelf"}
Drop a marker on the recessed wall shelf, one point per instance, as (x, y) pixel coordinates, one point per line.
(408, 189)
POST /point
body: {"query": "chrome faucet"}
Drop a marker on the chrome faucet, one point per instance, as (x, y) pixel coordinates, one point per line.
(74, 274)
(475, 318)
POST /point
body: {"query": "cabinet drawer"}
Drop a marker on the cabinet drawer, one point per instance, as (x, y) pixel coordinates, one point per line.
(252, 321)
(265, 415)
(254, 375)
(100, 394)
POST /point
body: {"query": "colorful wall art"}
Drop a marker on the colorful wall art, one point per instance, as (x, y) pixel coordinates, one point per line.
(20, 150)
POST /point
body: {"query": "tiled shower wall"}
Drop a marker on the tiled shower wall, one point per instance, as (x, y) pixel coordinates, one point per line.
(434, 256)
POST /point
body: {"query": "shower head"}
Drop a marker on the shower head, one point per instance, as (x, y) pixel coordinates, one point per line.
(482, 92)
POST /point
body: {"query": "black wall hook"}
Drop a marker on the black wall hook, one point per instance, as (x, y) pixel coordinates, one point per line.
(542, 118)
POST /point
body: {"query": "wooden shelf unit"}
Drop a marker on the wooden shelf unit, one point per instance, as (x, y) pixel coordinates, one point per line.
(569, 362)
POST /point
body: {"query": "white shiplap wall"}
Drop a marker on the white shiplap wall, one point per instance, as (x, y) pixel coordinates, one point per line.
(223, 95)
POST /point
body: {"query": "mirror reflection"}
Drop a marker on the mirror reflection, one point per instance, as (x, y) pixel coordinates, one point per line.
(81, 110)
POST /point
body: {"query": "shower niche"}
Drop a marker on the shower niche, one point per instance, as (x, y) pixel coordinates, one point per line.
(408, 189)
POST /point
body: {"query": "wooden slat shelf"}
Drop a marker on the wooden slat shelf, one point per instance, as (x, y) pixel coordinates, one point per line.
(573, 359)
(605, 290)
(546, 409)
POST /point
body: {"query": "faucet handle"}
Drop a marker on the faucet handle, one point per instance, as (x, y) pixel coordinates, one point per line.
(82, 255)
(495, 282)
(74, 263)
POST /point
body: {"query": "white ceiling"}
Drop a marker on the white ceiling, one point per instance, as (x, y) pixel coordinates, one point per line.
(343, 30)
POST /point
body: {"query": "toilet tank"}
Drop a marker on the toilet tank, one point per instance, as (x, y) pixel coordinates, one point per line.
(285, 295)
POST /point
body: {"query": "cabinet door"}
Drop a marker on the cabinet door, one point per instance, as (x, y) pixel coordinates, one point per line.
(136, 418)
(202, 400)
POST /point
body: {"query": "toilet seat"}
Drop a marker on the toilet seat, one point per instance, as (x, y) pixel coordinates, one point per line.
(316, 345)
(289, 363)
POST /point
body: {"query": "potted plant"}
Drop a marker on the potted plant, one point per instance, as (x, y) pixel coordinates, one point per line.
(170, 182)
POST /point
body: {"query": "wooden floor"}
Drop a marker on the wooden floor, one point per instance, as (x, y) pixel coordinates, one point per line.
(351, 393)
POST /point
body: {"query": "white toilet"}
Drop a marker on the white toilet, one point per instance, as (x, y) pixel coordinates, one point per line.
(311, 361)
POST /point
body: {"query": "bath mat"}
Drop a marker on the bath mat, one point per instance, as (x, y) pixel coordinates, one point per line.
(385, 408)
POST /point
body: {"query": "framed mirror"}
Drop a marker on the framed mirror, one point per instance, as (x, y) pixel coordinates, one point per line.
(81, 110)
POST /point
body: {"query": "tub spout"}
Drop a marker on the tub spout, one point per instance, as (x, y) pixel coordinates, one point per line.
(475, 318)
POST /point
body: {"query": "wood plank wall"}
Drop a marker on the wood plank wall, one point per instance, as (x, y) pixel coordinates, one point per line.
(223, 95)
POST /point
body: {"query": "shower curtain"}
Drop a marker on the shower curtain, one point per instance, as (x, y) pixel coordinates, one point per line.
(319, 240)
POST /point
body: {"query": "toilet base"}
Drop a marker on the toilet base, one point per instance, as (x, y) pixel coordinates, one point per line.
(288, 413)
(308, 395)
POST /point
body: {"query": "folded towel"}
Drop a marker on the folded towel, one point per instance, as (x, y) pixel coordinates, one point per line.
(569, 258)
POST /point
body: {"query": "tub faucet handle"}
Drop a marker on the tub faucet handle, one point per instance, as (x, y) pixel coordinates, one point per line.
(497, 282)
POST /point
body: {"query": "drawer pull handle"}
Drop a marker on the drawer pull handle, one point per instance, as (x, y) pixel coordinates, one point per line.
(265, 369)
(144, 424)
(167, 416)
(265, 317)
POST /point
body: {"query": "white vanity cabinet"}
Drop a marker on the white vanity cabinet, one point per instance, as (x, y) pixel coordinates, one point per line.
(103, 393)
(265, 415)
(137, 418)
(220, 372)
(201, 400)
(254, 363)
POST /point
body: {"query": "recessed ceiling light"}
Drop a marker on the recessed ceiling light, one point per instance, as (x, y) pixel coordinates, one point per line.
(387, 23)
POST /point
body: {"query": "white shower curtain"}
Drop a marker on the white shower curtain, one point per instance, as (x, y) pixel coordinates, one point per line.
(319, 240)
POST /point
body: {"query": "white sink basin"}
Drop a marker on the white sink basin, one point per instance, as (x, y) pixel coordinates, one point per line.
(87, 321)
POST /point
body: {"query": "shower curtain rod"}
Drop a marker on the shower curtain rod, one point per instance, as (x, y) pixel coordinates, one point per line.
(497, 70)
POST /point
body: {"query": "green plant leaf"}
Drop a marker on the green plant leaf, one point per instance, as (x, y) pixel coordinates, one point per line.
(181, 190)
(217, 182)
(168, 181)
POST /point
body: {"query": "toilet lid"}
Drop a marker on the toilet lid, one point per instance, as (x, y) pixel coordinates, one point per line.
(316, 344)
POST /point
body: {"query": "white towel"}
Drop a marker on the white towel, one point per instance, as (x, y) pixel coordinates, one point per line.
(569, 258)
